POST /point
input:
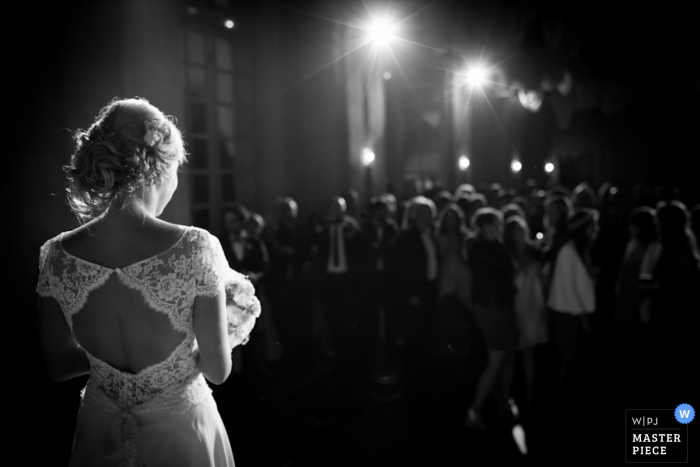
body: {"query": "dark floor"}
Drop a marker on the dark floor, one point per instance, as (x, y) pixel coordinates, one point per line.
(389, 409)
(315, 415)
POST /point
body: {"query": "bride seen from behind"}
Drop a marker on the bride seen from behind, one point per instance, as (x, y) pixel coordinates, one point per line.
(145, 307)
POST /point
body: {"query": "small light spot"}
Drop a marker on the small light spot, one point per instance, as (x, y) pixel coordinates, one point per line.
(387, 75)
(228, 23)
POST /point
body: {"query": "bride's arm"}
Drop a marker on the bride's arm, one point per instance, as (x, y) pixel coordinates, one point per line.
(210, 329)
(64, 357)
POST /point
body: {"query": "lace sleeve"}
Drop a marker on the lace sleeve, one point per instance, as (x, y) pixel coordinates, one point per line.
(44, 287)
(210, 265)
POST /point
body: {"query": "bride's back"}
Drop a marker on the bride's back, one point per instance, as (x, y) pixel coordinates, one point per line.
(116, 324)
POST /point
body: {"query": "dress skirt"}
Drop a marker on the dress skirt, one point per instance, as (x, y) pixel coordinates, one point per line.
(157, 435)
(498, 325)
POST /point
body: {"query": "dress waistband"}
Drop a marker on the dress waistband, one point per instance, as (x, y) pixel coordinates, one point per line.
(124, 427)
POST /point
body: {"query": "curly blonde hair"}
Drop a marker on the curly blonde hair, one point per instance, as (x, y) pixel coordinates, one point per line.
(128, 147)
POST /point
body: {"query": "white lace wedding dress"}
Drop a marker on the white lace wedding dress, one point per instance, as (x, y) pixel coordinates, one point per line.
(165, 414)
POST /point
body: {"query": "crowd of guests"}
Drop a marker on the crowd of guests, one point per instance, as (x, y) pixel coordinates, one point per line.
(555, 267)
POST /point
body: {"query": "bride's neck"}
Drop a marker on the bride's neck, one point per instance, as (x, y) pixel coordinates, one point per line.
(134, 214)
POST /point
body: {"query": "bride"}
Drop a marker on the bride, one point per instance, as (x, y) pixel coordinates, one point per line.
(147, 308)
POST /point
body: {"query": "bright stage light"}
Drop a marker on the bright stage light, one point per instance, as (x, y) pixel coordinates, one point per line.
(381, 30)
(463, 163)
(367, 156)
(515, 166)
(228, 23)
(549, 167)
(476, 76)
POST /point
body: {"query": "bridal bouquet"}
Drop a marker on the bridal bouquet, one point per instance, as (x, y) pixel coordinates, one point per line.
(242, 308)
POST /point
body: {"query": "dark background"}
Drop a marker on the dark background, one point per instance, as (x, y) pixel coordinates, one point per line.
(645, 130)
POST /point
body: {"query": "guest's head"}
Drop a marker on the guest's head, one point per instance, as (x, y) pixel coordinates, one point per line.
(451, 221)
(583, 196)
(287, 210)
(557, 210)
(391, 202)
(512, 209)
(673, 221)
(642, 225)
(352, 201)
(516, 236)
(464, 188)
(583, 228)
(476, 202)
(379, 210)
(235, 219)
(488, 223)
(423, 213)
(442, 199)
(336, 209)
(463, 202)
(127, 158)
(254, 226)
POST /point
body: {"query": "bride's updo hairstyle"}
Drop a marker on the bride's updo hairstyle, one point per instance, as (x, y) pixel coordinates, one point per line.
(129, 147)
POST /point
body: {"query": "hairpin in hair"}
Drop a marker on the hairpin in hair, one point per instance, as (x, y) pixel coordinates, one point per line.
(152, 136)
(101, 134)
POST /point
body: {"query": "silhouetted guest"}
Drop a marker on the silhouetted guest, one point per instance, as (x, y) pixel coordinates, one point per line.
(512, 209)
(245, 256)
(287, 243)
(583, 196)
(572, 293)
(381, 234)
(442, 199)
(476, 202)
(557, 211)
(627, 323)
(464, 188)
(416, 270)
(334, 259)
(464, 204)
(676, 276)
(352, 204)
(695, 222)
(535, 212)
(266, 348)
(530, 305)
(454, 276)
(288, 292)
(493, 294)
(390, 200)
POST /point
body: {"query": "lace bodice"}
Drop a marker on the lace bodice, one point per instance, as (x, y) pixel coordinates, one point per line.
(169, 282)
